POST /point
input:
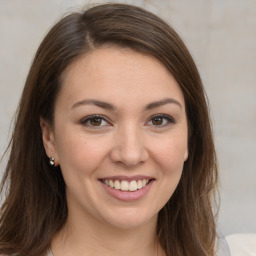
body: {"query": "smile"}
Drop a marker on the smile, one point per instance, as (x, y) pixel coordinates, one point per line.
(125, 185)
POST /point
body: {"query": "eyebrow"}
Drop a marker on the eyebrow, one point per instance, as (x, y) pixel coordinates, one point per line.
(163, 102)
(108, 106)
(98, 103)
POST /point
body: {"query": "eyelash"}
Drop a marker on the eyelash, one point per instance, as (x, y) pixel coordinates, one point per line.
(86, 121)
(169, 120)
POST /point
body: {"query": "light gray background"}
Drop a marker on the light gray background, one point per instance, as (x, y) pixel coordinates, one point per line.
(221, 35)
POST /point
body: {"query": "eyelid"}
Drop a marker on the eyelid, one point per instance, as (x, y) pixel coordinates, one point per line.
(87, 118)
(169, 118)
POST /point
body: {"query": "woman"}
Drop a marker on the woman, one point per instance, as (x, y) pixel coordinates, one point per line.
(112, 150)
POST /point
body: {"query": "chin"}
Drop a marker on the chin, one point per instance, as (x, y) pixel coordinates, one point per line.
(130, 218)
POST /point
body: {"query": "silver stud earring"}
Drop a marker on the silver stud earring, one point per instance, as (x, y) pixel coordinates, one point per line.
(52, 161)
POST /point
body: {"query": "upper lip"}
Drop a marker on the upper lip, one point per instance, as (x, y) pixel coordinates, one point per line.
(127, 178)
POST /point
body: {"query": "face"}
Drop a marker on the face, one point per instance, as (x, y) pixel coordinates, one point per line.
(119, 136)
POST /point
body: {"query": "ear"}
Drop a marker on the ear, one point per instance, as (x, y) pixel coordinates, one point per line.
(48, 139)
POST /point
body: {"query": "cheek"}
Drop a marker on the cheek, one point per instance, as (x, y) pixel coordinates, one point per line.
(170, 159)
(171, 154)
(80, 155)
(79, 162)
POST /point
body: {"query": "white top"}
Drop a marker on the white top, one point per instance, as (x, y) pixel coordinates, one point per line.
(222, 248)
(49, 253)
(242, 244)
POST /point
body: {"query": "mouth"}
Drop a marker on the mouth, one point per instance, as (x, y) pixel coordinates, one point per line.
(126, 185)
(127, 188)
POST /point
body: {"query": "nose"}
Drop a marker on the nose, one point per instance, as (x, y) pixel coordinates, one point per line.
(128, 147)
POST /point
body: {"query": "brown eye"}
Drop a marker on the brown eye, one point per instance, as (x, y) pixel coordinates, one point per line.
(158, 120)
(96, 121)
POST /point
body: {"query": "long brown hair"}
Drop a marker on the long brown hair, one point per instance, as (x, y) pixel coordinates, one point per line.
(35, 207)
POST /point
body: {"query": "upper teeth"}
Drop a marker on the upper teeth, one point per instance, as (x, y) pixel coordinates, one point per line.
(125, 185)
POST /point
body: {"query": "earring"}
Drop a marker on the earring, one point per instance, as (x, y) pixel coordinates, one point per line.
(52, 161)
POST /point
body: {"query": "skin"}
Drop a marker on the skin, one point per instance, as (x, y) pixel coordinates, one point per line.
(128, 141)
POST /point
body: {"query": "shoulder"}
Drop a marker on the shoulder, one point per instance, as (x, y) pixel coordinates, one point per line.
(222, 248)
(242, 244)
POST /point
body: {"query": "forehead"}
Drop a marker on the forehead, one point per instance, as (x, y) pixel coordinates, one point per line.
(111, 73)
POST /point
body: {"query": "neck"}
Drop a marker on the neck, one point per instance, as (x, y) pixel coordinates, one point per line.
(91, 237)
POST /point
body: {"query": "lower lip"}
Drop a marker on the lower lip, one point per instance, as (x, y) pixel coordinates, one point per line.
(127, 195)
